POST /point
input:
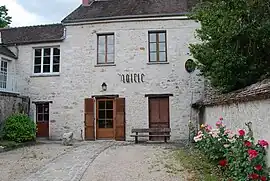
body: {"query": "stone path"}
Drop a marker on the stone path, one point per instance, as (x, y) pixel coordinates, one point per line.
(92, 161)
(135, 163)
(71, 165)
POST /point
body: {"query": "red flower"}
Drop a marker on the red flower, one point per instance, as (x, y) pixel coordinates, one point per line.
(241, 132)
(254, 176)
(263, 143)
(252, 153)
(223, 163)
(258, 167)
(221, 118)
(248, 144)
(263, 178)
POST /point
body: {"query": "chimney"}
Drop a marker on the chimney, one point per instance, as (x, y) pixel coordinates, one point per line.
(87, 2)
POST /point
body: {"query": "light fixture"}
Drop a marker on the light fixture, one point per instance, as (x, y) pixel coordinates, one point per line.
(104, 86)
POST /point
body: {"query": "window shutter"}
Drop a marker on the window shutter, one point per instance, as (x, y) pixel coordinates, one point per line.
(120, 119)
(89, 119)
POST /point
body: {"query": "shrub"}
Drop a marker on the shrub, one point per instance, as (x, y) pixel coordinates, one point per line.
(19, 128)
(238, 155)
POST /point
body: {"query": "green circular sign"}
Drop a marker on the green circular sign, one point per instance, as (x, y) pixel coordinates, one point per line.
(190, 65)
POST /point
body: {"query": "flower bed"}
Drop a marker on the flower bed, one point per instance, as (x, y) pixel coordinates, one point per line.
(237, 154)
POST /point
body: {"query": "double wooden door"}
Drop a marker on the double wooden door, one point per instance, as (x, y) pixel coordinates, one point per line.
(159, 114)
(109, 120)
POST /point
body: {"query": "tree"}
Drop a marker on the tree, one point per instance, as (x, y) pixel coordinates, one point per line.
(235, 42)
(5, 20)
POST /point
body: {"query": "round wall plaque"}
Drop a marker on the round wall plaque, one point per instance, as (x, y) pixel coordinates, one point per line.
(190, 65)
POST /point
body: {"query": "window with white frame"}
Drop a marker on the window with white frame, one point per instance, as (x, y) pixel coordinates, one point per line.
(46, 60)
(3, 74)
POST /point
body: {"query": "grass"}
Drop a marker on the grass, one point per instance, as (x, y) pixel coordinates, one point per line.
(196, 164)
(10, 145)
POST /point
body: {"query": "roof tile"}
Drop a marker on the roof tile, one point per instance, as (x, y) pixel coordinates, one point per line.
(5, 51)
(119, 8)
(32, 34)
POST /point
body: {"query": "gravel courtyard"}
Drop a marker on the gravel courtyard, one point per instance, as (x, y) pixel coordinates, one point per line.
(95, 161)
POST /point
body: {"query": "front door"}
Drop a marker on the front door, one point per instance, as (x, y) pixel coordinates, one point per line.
(105, 119)
(42, 119)
(159, 114)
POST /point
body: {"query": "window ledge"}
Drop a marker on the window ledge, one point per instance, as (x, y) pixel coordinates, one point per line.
(104, 65)
(3, 91)
(155, 63)
(45, 75)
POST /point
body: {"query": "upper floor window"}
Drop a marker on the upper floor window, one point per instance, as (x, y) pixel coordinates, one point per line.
(157, 46)
(3, 74)
(47, 60)
(105, 49)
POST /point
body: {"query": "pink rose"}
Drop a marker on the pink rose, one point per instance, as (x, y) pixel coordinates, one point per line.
(263, 143)
(252, 153)
(241, 132)
(218, 123)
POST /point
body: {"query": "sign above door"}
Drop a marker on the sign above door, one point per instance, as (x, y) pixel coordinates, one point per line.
(132, 78)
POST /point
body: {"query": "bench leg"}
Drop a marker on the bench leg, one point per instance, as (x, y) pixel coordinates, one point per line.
(136, 139)
(165, 139)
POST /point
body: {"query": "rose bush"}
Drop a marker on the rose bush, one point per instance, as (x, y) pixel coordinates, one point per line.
(239, 156)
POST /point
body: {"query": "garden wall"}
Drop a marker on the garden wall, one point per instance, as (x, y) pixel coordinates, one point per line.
(11, 103)
(236, 115)
(251, 104)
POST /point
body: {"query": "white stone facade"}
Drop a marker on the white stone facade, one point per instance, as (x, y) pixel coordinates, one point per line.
(80, 78)
(236, 115)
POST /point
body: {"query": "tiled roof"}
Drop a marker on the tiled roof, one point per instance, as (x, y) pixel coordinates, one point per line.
(32, 34)
(5, 51)
(114, 9)
(258, 91)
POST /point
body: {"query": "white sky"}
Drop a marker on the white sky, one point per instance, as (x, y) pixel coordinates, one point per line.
(20, 16)
(37, 12)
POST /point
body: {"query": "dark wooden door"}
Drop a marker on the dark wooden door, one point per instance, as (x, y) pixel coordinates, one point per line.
(42, 119)
(89, 119)
(159, 114)
(120, 119)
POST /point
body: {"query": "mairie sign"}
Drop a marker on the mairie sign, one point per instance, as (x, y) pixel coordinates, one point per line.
(132, 78)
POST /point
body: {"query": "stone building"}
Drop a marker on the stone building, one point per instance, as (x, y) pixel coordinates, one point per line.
(108, 67)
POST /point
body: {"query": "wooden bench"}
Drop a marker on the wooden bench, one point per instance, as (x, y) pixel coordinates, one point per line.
(152, 132)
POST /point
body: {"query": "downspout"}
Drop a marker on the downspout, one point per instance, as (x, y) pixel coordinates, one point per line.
(17, 51)
(64, 33)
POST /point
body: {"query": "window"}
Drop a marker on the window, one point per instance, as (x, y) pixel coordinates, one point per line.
(105, 49)
(3, 74)
(157, 47)
(42, 112)
(47, 60)
(105, 114)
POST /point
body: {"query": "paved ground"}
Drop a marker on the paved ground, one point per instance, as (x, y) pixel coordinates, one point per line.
(91, 161)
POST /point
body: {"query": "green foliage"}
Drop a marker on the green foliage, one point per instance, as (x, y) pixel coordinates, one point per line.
(19, 128)
(5, 20)
(235, 42)
(238, 155)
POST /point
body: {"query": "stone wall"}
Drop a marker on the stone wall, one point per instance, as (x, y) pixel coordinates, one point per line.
(80, 77)
(12, 103)
(236, 115)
